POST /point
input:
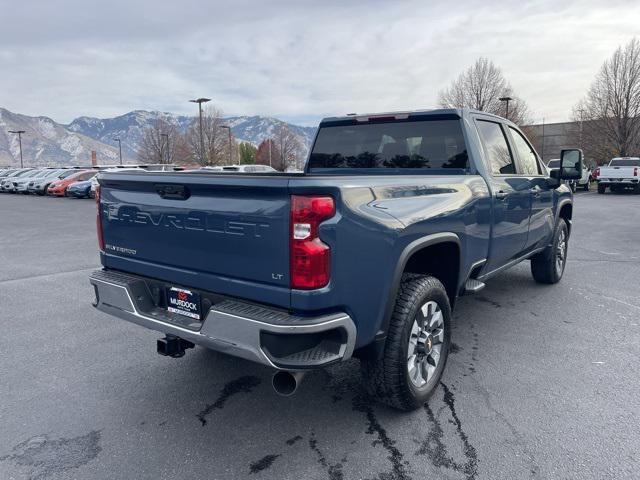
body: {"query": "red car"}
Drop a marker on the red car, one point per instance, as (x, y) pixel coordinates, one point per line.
(59, 187)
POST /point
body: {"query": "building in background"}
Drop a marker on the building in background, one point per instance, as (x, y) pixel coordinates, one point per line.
(549, 138)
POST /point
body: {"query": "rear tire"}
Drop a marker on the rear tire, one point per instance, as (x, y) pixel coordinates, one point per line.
(586, 187)
(601, 189)
(416, 347)
(548, 265)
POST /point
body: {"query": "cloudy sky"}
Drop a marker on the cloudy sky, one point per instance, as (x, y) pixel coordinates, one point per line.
(297, 60)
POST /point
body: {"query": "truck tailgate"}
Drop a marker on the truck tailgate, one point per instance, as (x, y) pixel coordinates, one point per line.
(207, 227)
(617, 172)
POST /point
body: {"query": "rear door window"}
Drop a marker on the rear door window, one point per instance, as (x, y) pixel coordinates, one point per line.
(496, 148)
(526, 154)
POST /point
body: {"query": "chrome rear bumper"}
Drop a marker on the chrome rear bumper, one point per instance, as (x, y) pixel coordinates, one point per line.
(258, 333)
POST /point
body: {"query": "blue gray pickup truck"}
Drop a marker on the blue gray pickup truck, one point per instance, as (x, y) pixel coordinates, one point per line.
(362, 255)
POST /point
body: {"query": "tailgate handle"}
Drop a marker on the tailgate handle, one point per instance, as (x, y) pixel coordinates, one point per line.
(173, 192)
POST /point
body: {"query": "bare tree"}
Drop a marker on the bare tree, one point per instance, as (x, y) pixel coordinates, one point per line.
(609, 115)
(267, 154)
(215, 139)
(480, 87)
(162, 142)
(289, 149)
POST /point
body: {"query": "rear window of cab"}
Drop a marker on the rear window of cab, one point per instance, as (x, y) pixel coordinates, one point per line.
(427, 145)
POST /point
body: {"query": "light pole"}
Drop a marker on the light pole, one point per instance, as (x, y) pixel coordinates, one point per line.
(543, 139)
(228, 128)
(119, 148)
(581, 113)
(164, 136)
(200, 101)
(270, 143)
(19, 132)
(506, 99)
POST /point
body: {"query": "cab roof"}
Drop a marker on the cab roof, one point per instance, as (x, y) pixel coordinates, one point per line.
(406, 114)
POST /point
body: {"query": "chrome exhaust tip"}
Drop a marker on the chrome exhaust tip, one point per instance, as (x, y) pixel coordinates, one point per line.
(286, 383)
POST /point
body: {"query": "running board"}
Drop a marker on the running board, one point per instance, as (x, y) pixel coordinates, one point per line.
(473, 286)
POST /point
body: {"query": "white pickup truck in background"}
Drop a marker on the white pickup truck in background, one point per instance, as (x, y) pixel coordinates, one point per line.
(582, 182)
(621, 173)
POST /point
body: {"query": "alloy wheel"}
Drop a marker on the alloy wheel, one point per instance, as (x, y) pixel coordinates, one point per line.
(425, 343)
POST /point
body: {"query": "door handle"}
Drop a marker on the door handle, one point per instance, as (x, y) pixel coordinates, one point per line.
(535, 191)
(501, 195)
(173, 192)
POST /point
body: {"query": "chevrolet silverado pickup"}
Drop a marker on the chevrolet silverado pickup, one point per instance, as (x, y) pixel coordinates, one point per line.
(621, 173)
(363, 254)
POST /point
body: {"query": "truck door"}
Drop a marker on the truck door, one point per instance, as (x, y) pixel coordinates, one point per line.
(511, 196)
(542, 220)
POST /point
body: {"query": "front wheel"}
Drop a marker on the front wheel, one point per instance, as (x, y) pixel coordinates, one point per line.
(416, 347)
(548, 265)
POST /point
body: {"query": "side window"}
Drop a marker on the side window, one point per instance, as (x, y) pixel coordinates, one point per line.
(527, 156)
(497, 148)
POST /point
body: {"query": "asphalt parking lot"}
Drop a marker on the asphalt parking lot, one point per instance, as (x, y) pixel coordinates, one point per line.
(543, 381)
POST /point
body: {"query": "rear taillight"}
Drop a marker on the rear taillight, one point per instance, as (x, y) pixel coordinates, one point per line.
(310, 258)
(99, 220)
(596, 174)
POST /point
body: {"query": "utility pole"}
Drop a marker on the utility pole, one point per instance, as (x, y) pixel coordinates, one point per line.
(200, 101)
(164, 136)
(228, 128)
(19, 132)
(581, 113)
(506, 99)
(119, 148)
(270, 143)
(543, 139)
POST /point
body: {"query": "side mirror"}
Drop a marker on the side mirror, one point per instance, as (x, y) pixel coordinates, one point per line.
(570, 164)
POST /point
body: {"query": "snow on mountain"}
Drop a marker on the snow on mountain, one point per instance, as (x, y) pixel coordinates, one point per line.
(47, 142)
(254, 129)
(130, 128)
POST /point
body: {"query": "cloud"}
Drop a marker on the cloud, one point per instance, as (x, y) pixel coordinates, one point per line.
(299, 60)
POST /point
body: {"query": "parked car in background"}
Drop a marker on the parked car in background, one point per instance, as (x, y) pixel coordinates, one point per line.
(19, 182)
(40, 184)
(6, 172)
(583, 182)
(621, 173)
(5, 179)
(58, 188)
(80, 189)
(241, 168)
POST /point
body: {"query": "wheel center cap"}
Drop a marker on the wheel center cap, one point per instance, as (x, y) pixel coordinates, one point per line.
(428, 344)
(425, 344)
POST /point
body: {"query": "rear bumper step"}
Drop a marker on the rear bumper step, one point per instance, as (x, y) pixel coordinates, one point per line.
(258, 333)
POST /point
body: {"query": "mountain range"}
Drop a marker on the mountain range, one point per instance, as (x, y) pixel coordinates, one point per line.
(48, 143)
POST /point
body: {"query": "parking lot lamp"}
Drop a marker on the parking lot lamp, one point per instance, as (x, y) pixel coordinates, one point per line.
(507, 100)
(200, 101)
(19, 132)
